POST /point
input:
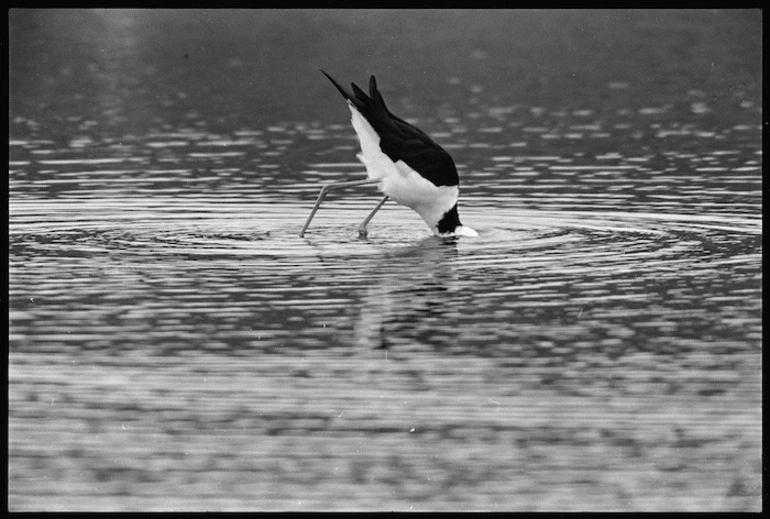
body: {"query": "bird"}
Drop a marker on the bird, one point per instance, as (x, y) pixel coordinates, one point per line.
(406, 164)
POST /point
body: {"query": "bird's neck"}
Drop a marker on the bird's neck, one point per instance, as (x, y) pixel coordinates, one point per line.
(449, 222)
(449, 225)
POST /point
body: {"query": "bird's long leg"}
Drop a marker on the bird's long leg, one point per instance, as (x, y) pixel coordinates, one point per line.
(362, 228)
(326, 189)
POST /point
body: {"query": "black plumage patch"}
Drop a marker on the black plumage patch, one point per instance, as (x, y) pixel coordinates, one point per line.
(399, 140)
(450, 221)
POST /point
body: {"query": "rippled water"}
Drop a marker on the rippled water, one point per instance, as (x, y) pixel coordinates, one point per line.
(174, 345)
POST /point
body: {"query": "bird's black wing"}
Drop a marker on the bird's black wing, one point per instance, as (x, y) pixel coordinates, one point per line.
(400, 140)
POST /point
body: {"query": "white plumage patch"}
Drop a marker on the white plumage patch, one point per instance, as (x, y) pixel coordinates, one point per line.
(378, 165)
(464, 231)
(400, 182)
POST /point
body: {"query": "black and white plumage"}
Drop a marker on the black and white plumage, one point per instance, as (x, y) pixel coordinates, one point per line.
(404, 162)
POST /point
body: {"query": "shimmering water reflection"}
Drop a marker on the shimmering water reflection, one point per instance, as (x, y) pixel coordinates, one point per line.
(581, 344)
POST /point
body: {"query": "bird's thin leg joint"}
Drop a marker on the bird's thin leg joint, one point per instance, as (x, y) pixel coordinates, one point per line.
(329, 187)
(362, 228)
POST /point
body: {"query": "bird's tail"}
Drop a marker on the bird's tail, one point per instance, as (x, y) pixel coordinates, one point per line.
(363, 103)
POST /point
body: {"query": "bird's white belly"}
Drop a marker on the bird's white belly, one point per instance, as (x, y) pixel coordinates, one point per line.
(409, 188)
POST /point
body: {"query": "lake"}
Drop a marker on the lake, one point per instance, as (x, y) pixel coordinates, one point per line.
(176, 346)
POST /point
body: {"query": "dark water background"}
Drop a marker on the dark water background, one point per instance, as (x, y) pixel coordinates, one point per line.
(175, 346)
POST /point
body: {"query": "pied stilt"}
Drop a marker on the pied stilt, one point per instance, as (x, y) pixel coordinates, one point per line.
(406, 165)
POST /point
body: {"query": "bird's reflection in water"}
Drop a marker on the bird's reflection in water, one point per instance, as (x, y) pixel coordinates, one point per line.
(409, 296)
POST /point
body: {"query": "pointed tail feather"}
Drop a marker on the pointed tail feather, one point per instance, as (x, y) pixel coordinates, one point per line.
(347, 95)
(374, 93)
(359, 99)
(360, 95)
